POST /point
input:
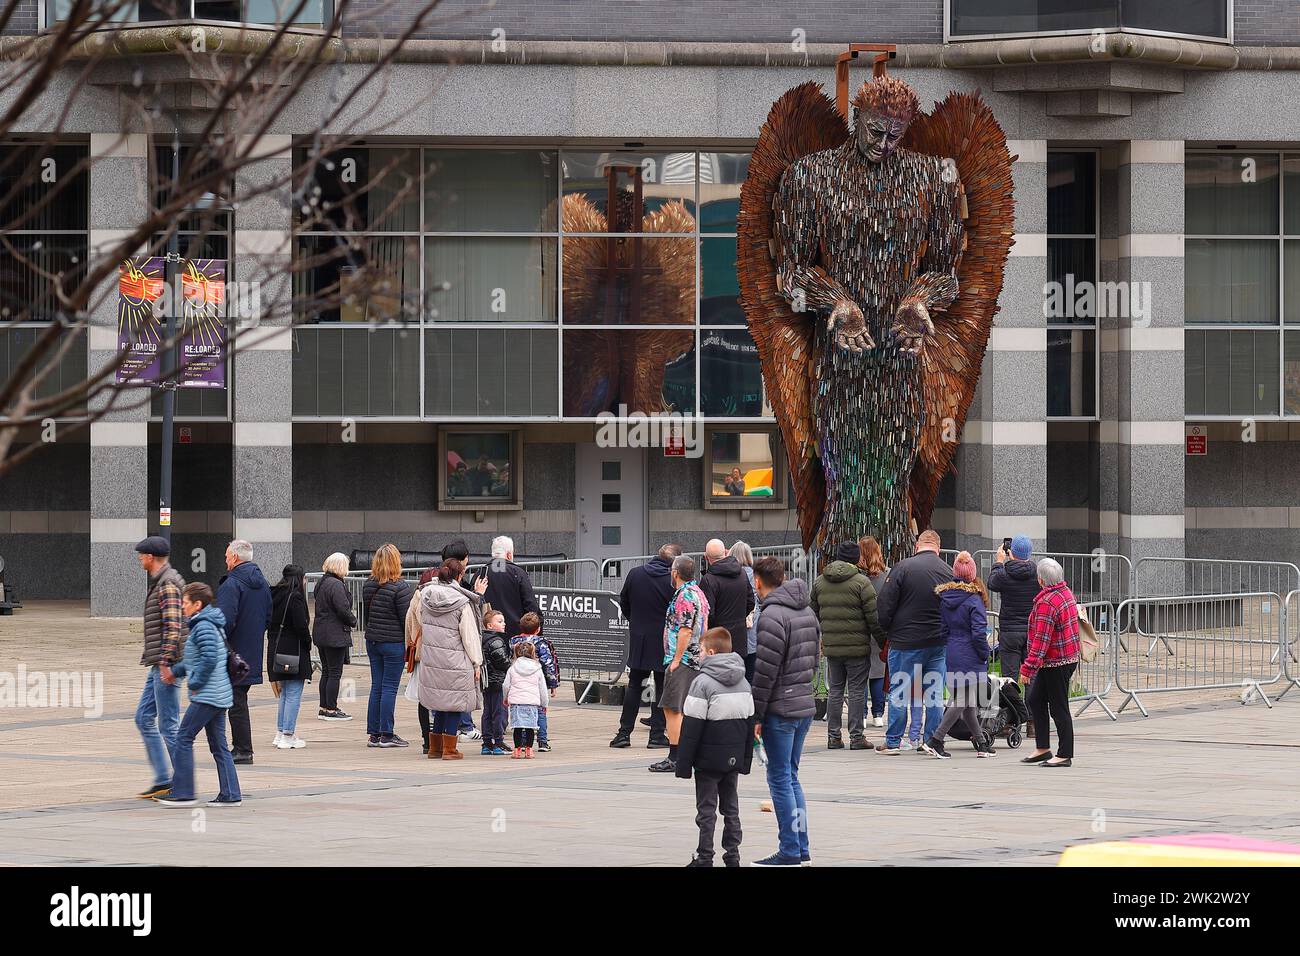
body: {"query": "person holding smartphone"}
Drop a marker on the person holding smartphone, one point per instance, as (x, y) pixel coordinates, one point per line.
(1015, 577)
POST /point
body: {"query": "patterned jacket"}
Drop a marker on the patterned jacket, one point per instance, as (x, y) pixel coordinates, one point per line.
(1053, 630)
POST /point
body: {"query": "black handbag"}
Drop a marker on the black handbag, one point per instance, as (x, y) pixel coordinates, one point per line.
(284, 665)
(236, 666)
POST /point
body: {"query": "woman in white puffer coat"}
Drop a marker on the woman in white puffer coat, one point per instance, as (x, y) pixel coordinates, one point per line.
(451, 653)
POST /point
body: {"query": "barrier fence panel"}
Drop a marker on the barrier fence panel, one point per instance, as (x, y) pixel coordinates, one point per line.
(589, 634)
(1156, 576)
(613, 571)
(1291, 642)
(1206, 642)
(1093, 680)
(571, 574)
(1092, 576)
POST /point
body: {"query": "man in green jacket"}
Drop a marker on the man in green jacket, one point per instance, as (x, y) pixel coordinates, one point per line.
(845, 604)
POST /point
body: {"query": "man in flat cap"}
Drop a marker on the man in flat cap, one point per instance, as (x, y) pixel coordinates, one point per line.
(158, 714)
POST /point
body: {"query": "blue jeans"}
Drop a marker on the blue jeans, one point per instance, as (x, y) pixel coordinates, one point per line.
(465, 722)
(286, 720)
(387, 658)
(875, 702)
(926, 667)
(211, 719)
(444, 722)
(783, 740)
(159, 710)
(542, 735)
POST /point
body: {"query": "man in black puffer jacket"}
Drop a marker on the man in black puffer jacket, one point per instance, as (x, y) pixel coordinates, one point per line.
(788, 650)
(730, 600)
(1015, 577)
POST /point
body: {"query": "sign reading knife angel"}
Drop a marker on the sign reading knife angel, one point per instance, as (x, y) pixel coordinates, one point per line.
(870, 262)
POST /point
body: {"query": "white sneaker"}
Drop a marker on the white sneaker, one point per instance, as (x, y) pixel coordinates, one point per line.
(293, 743)
(278, 737)
(878, 721)
(906, 744)
(475, 734)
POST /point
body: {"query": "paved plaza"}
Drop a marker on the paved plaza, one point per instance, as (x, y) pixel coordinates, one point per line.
(66, 781)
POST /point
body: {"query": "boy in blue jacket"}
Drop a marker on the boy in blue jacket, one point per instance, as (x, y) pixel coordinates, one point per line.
(204, 665)
(717, 741)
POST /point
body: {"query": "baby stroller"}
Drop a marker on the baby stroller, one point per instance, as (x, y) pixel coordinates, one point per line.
(1003, 716)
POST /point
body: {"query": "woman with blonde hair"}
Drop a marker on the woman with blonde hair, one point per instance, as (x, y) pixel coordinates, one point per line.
(387, 598)
(744, 555)
(332, 633)
(872, 562)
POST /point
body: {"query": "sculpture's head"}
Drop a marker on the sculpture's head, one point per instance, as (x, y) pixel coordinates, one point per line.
(882, 110)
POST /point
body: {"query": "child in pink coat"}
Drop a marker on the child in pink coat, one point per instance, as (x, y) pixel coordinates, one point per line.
(524, 691)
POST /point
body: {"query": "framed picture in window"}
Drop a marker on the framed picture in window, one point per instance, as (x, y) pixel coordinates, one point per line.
(744, 467)
(479, 469)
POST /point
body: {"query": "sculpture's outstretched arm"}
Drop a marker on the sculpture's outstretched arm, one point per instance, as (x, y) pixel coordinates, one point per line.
(935, 286)
(800, 280)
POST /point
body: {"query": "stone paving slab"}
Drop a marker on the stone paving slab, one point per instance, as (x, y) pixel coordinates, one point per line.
(66, 781)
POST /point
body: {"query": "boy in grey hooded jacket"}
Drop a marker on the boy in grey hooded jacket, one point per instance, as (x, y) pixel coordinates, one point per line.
(717, 742)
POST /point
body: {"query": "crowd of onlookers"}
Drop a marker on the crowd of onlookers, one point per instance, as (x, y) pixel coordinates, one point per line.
(734, 654)
(468, 646)
(733, 651)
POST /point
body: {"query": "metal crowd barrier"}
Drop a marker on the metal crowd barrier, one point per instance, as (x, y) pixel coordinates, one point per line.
(1093, 680)
(1208, 642)
(613, 571)
(1172, 577)
(1092, 576)
(576, 573)
(1290, 646)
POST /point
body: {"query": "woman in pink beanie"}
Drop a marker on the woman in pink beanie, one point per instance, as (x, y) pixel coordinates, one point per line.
(963, 603)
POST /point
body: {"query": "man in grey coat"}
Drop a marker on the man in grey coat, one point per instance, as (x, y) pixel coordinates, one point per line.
(788, 639)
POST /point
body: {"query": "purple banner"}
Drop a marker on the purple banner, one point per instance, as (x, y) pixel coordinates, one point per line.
(141, 321)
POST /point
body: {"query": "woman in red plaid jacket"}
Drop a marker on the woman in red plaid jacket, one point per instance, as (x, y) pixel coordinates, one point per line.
(1051, 657)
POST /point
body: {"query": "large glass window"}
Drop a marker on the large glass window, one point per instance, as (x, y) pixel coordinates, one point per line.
(533, 283)
(968, 19)
(1073, 298)
(44, 216)
(305, 13)
(1242, 283)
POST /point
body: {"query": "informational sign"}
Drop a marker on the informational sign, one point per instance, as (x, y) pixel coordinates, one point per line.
(588, 630)
(674, 442)
(1198, 442)
(165, 517)
(186, 435)
(142, 303)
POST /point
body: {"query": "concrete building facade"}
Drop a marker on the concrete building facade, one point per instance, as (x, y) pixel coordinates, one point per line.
(339, 434)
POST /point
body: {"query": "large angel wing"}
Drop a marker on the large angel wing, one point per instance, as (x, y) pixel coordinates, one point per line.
(963, 128)
(802, 121)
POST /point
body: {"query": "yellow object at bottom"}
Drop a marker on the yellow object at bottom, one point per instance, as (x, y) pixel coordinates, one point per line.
(1166, 854)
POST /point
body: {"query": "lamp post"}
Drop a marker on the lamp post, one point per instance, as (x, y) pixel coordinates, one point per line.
(208, 202)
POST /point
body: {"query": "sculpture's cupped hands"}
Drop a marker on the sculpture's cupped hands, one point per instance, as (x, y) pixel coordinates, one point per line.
(911, 325)
(849, 327)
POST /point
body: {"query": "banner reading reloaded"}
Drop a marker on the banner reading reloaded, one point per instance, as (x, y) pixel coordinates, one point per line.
(142, 303)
